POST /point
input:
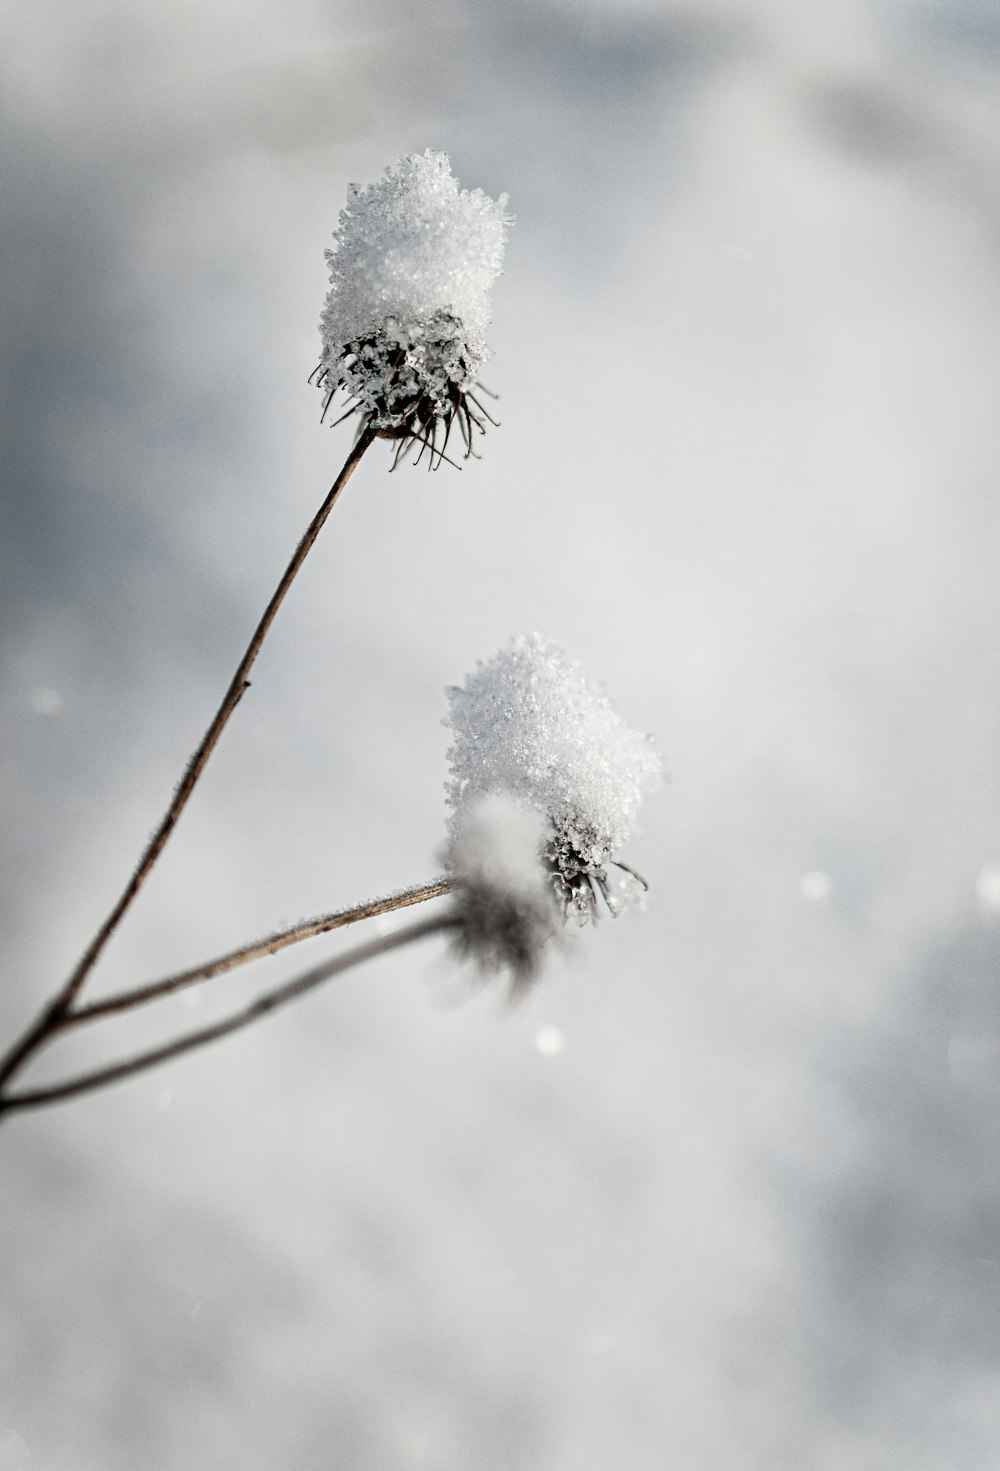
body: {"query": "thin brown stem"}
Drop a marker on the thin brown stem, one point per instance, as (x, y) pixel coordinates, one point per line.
(269, 945)
(61, 1004)
(268, 1002)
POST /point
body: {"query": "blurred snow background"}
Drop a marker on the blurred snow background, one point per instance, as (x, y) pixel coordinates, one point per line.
(724, 1196)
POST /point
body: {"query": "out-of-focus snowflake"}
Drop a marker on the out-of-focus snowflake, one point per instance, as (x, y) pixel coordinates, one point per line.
(528, 724)
(404, 326)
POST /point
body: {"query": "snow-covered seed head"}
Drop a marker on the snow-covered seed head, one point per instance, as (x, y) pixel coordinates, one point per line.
(503, 901)
(404, 326)
(527, 723)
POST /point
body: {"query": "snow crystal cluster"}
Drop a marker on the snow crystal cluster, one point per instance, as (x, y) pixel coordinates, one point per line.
(403, 328)
(526, 723)
(504, 901)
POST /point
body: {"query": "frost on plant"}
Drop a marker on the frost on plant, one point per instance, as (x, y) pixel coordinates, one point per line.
(404, 326)
(504, 902)
(528, 724)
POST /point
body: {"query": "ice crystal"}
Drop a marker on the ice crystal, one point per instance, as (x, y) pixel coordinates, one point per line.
(404, 326)
(527, 723)
(504, 902)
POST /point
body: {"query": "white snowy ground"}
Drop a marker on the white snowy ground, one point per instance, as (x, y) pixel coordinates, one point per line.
(747, 1216)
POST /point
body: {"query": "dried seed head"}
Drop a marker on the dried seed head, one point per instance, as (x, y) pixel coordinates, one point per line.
(504, 902)
(527, 723)
(403, 328)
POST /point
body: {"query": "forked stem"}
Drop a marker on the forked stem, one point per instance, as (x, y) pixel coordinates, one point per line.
(268, 1002)
(56, 1010)
(269, 945)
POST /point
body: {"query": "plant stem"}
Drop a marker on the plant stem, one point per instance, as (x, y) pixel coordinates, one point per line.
(269, 945)
(268, 1002)
(62, 1002)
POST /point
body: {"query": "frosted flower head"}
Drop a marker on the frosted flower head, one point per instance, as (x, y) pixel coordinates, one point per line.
(527, 723)
(404, 325)
(503, 902)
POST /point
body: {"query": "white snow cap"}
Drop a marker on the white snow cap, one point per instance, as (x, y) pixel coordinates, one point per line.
(527, 723)
(503, 895)
(412, 264)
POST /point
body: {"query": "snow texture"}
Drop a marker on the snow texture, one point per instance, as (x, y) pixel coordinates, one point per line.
(527, 723)
(503, 896)
(413, 260)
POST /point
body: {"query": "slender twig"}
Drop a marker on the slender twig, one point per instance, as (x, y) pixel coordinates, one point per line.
(268, 1002)
(269, 945)
(62, 1002)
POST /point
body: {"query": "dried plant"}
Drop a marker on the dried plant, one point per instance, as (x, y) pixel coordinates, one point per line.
(546, 777)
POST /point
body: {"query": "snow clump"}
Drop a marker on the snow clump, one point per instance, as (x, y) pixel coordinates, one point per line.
(528, 724)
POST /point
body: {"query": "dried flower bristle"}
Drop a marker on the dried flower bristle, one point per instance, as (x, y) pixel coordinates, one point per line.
(411, 386)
